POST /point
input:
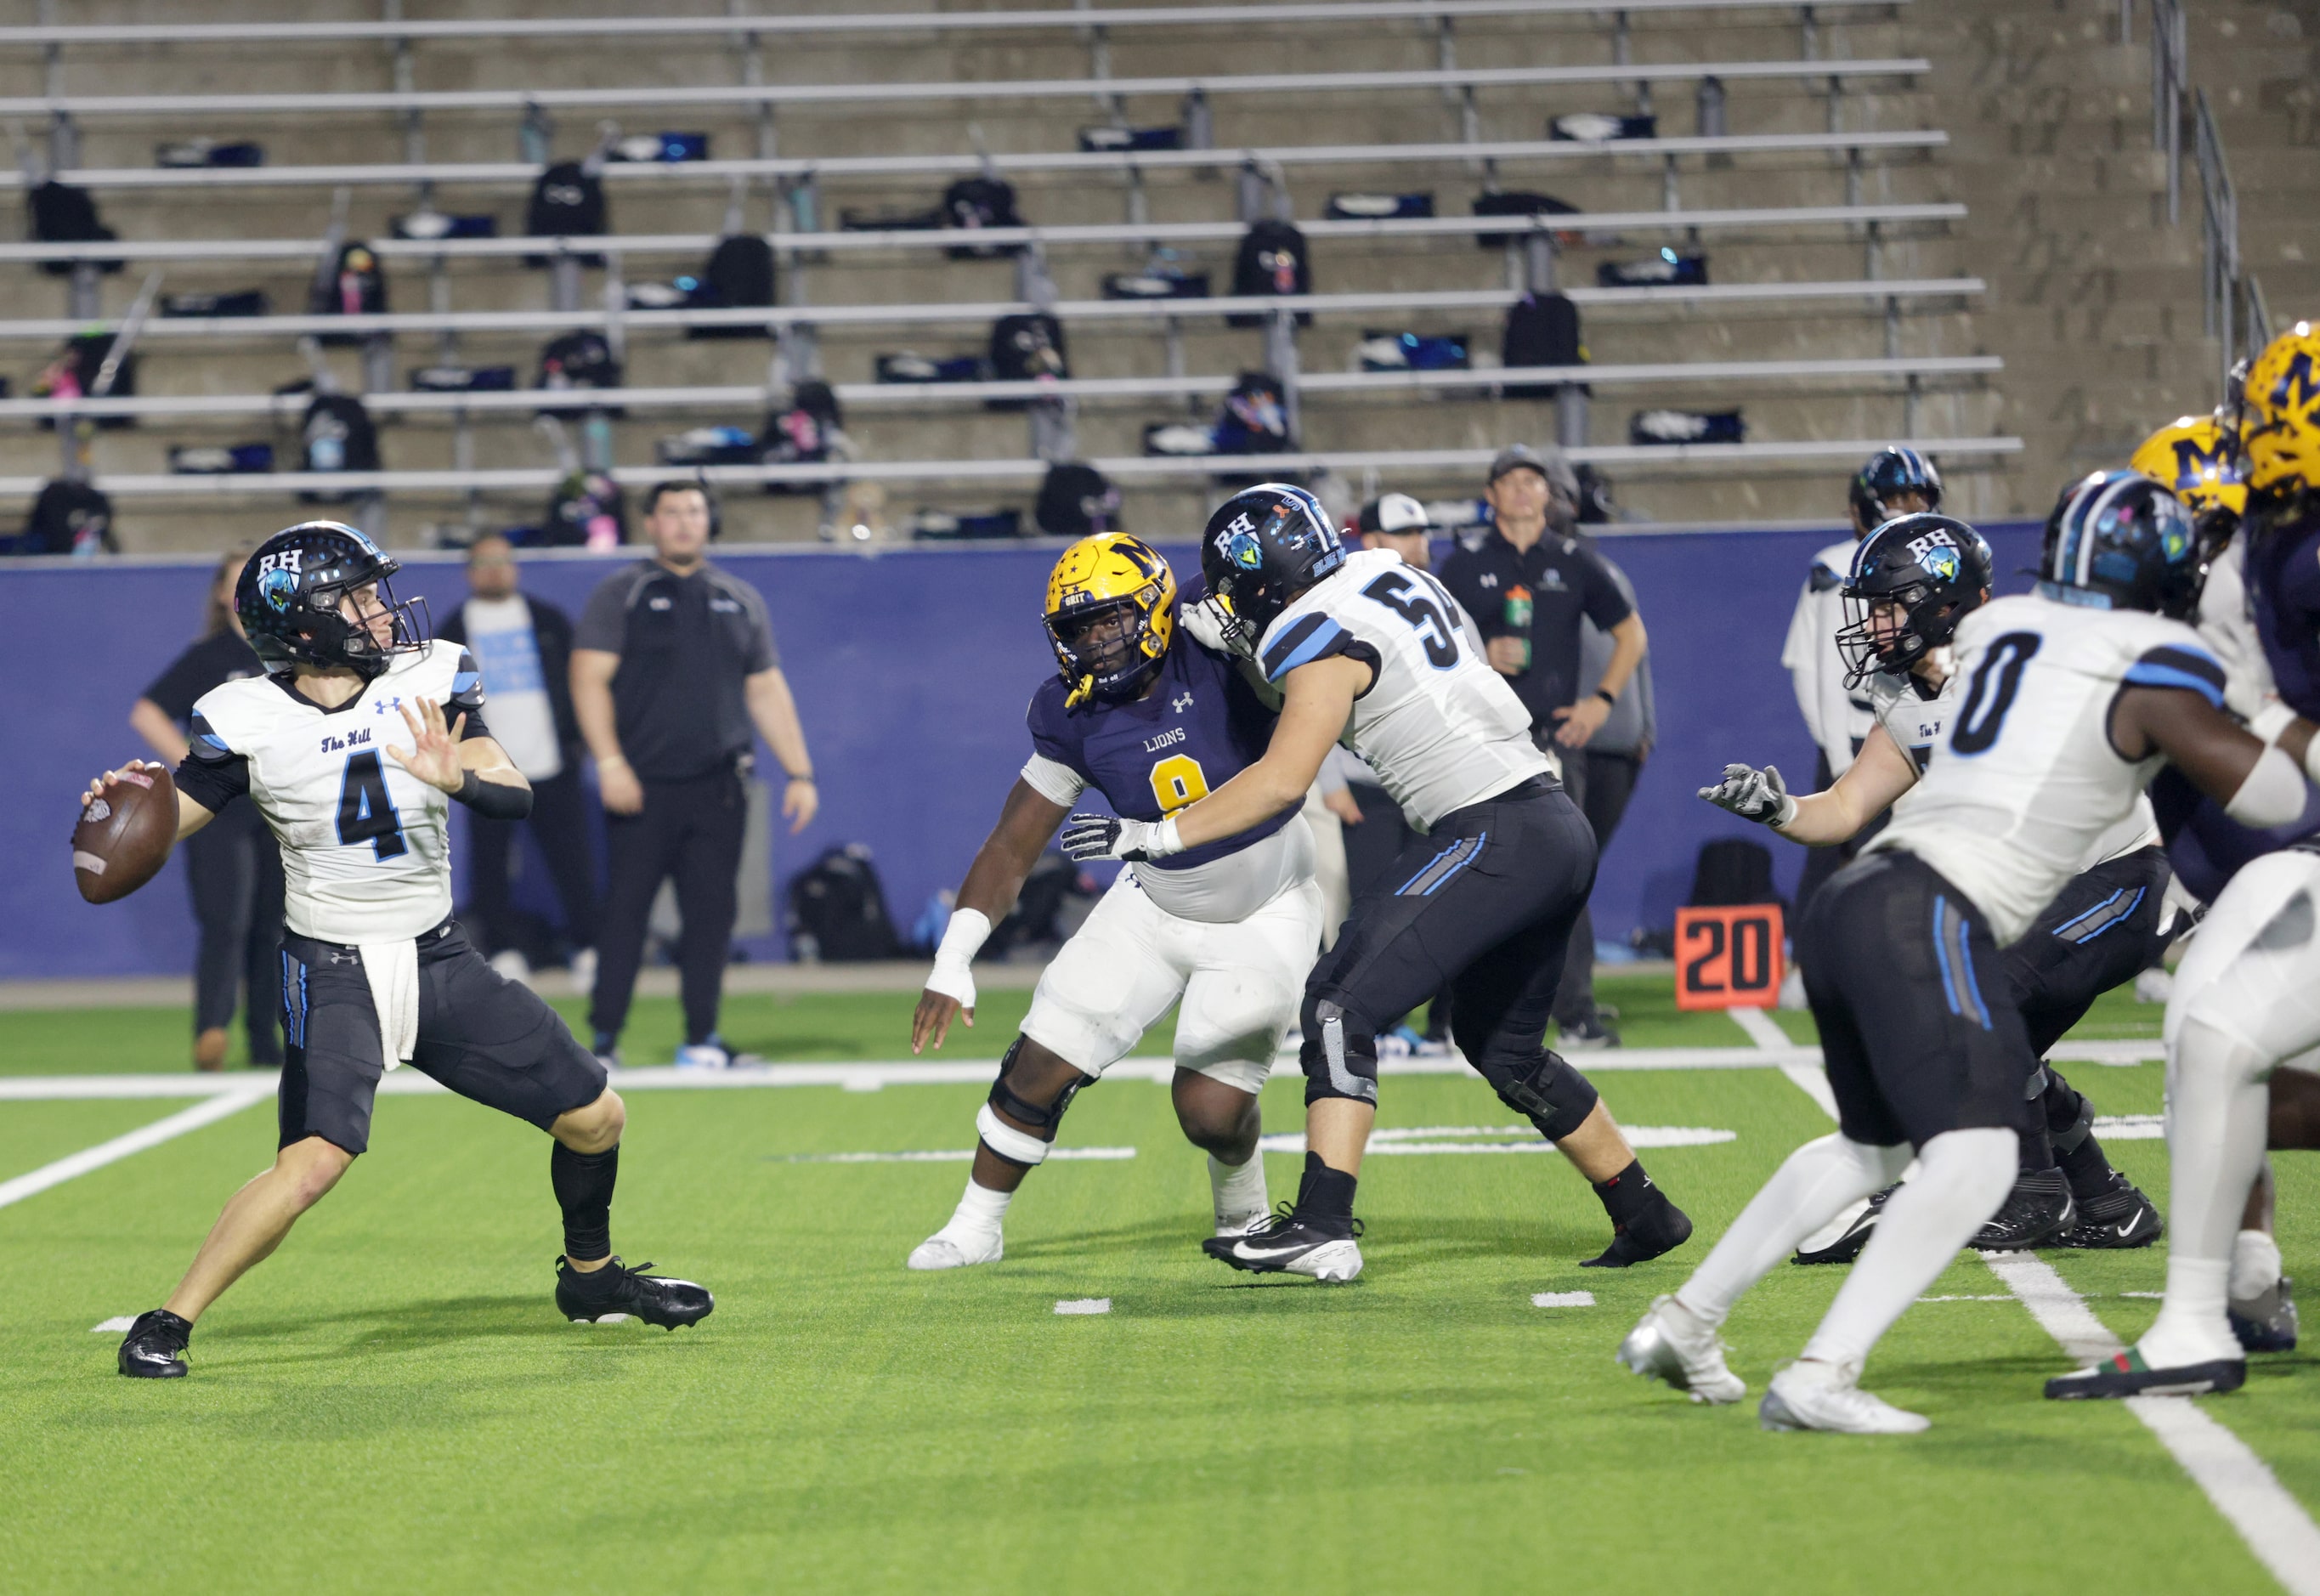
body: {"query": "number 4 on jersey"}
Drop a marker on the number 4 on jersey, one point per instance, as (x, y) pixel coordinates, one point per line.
(367, 811)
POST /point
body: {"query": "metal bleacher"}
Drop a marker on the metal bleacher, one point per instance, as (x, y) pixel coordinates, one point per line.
(1836, 315)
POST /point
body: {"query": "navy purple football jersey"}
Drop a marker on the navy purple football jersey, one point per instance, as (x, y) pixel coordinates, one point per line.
(2283, 578)
(1200, 725)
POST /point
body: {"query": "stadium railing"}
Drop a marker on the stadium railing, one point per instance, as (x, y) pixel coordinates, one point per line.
(1445, 464)
(728, 399)
(406, 31)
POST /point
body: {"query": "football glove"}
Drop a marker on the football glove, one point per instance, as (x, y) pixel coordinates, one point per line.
(1108, 837)
(1753, 794)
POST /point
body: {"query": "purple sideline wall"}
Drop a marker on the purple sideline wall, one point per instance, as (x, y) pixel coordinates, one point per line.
(912, 668)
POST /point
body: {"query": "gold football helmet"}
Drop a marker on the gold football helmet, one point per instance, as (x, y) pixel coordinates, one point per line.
(2194, 456)
(1111, 615)
(2280, 436)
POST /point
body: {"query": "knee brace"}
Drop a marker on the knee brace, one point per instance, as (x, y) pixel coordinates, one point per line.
(1016, 1146)
(1339, 1052)
(1551, 1094)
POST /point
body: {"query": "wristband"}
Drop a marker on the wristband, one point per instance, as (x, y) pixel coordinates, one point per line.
(953, 975)
(1162, 839)
(2271, 720)
(1610, 698)
(807, 777)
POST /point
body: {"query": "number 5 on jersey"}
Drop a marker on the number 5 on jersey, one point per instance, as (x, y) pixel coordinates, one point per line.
(367, 811)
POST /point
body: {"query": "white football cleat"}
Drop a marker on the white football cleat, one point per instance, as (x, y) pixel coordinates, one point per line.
(1669, 1343)
(946, 1249)
(1829, 1396)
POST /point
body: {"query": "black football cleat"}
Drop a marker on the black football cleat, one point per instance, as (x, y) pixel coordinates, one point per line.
(2268, 1322)
(2125, 1374)
(155, 1346)
(2118, 1217)
(619, 1292)
(2038, 1210)
(1661, 1227)
(1284, 1244)
(1847, 1246)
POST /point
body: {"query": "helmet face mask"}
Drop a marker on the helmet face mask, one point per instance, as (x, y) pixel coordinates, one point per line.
(1913, 579)
(1262, 547)
(1111, 617)
(320, 595)
(2120, 541)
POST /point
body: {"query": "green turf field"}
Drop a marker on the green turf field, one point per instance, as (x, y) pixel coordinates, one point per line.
(392, 1403)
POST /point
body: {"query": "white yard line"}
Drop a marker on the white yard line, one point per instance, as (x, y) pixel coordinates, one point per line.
(2226, 1470)
(1760, 1028)
(136, 1141)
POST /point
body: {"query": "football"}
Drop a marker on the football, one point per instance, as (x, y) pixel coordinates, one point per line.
(125, 834)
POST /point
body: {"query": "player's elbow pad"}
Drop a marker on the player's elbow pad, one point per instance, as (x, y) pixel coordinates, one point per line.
(2271, 795)
(493, 800)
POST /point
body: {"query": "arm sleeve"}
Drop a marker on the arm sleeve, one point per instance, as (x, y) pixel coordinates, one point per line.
(604, 624)
(1600, 596)
(211, 774)
(1056, 782)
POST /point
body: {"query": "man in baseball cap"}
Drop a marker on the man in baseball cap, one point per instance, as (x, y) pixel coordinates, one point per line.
(1399, 522)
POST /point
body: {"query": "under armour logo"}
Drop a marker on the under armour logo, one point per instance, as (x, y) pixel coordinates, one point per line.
(1489, 578)
(380, 706)
(1180, 704)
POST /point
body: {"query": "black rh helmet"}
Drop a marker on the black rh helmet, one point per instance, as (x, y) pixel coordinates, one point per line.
(1888, 474)
(1932, 569)
(287, 601)
(1264, 546)
(2120, 541)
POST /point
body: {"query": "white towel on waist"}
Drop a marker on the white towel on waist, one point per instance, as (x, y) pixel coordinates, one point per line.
(392, 968)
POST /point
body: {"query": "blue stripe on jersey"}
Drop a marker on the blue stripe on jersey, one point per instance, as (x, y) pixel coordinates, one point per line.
(1312, 639)
(466, 681)
(2147, 672)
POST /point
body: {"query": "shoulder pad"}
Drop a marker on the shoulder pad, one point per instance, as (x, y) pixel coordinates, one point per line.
(1823, 579)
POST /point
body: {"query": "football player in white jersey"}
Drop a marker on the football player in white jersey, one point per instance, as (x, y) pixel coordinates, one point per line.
(2072, 698)
(2245, 1011)
(375, 973)
(1364, 648)
(1149, 717)
(1911, 584)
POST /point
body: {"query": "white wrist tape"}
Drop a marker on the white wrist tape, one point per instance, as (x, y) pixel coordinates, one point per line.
(953, 975)
(2271, 720)
(1162, 839)
(1019, 1147)
(2272, 794)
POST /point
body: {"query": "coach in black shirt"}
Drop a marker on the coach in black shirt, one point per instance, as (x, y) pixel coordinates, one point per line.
(1528, 583)
(674, 677)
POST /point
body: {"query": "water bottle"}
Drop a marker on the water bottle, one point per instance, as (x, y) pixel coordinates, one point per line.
(1518, 619)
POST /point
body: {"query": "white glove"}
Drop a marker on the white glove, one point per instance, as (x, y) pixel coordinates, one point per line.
(953, 975)
(1108, 837)
(1753, 794)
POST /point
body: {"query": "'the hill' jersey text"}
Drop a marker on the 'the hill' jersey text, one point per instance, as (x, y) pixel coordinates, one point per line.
(1200, 725)
(2024, 781)
(1440, 727)
(365, 853)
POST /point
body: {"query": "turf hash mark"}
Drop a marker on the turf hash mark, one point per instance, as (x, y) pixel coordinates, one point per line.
(167, 1128)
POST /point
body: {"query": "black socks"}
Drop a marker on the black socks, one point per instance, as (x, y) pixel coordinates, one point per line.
(1626, 1194)
(583, 1190)
(1325, 1193)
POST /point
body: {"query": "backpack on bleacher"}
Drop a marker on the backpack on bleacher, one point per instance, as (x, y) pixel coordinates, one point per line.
(739, 275)
(1542, 330)
(358, 288)
(337, 434)
(1255, 420)
(980, 201)
(69, 517)
(1077, 500)
(568, 202)
(579, 359)
(64, 214)
(587, 511)
(838, 910)
(1517, 202)
(801, 434)
(1024, 349)
(1272, 260)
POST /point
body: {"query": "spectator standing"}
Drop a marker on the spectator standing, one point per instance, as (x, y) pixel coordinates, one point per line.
(1528, 583)
(523, 646)
(233, 869)
(674, 677)
(1615, 754)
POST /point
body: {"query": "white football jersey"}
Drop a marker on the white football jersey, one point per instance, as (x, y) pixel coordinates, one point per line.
(1440, 728)
(365, 850)
(2024, 787)
(1837, 716)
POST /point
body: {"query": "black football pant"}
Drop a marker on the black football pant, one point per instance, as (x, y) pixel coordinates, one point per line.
(691, 832)
(559, 820)
(233, 871)
(2100, 932)
(1484, 906)
(1370, 849)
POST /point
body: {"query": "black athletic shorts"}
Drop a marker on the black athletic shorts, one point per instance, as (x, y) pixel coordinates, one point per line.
(1917, 1023)
(482, 1035)
(2100, 932)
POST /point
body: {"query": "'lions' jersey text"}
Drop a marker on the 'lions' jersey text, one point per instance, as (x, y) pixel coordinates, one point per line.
(365, 855)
